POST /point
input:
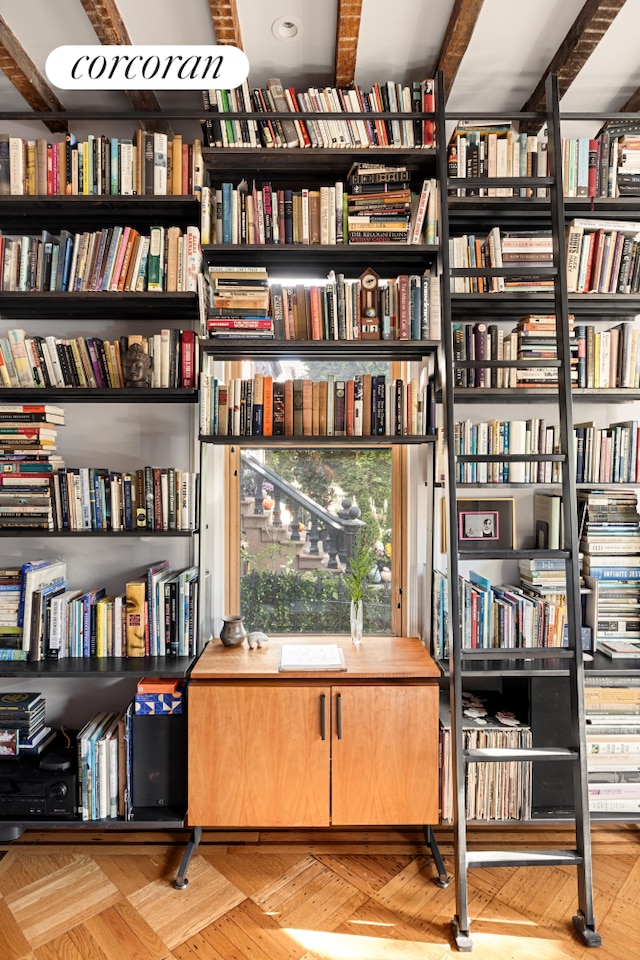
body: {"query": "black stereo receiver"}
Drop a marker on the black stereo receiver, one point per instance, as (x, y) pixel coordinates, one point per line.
(26, 791)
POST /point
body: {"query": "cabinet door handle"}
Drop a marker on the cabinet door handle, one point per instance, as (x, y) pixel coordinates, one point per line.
(339, 715)
(323, 716)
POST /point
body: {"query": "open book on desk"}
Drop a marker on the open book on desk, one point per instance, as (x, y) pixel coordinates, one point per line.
(311, 656)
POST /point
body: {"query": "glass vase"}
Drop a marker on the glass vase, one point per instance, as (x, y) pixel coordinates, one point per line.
(356, 618)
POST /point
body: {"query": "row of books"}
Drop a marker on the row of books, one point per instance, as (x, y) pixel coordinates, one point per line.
(267, 214)
(600, 359)
(327, 131)
(96, 498)
(146, 164)
(533, 338)
(612, 735)
(155, 615)
(91, 362)
(364, 406)
(509, 616)
(608, 358)
(494, 437)
(499, 249)
(493, 791)
(104, 748)
(242, 302)
(607, 165)
(607, 454)
(495, 150)
(114, 259)
(602, 256)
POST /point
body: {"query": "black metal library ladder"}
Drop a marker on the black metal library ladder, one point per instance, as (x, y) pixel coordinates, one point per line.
(461, 660)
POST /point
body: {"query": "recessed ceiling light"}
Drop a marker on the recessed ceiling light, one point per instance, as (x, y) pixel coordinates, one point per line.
(286, 28)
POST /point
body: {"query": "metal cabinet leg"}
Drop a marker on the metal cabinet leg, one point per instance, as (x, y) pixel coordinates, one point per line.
(181, 880)
(442, 879)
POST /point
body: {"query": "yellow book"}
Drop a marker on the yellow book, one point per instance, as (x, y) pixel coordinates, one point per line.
(102, 631)
(135, 595)
(176, 164)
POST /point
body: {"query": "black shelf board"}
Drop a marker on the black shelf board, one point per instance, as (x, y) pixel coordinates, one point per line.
(136, 534)
(355, 442)
(512, 302)
(508, 304)
(226, 161)
(102, 305)
(495, 553)
(144, 818)
(611, 666)
(117, 668)
(319, 349)
(303, 259)
(602, 207)
(543, 395)
(60, 212)
(97, 395)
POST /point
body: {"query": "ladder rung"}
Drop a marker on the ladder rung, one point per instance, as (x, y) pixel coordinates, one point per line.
(522, 858)
(491, 754)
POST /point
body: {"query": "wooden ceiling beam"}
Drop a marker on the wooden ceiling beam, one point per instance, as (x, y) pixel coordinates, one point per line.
(22, 72)
(462, 23)
(583, 37)
(632, 105)
(110, 30)
(226, 22)
(347, 35)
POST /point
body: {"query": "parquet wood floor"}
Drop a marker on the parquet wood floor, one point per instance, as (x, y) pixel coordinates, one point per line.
(303, 896)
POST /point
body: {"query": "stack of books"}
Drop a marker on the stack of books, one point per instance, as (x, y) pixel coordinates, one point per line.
(612, 713)
(239, 303)
(27, 462)
(610, 541)
(537, 340)
(379, 204)
(22, 724)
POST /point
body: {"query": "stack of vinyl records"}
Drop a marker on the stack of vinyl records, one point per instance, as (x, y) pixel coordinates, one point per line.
(28, 461)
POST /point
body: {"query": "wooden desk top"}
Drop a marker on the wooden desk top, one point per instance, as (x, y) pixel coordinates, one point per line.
(377, 658)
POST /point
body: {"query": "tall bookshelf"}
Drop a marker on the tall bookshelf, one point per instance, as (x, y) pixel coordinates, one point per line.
(123, 428)
(512, 663)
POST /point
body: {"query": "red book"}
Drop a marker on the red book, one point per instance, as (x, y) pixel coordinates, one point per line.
(187, 354)
(428, 106)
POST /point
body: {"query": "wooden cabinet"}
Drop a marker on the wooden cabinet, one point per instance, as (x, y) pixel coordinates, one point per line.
(269, 749)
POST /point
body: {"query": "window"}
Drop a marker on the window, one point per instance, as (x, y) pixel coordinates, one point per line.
(302, 511)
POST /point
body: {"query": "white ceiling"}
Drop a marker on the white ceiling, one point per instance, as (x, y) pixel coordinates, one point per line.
(511, 46)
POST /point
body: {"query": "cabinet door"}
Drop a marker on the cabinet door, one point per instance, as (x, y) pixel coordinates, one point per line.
(385, 764)
(257, 757)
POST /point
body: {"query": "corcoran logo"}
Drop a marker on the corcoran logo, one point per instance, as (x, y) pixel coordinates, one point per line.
(148, 67)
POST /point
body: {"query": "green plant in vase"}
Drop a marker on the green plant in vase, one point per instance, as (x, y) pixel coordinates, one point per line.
(355, 580)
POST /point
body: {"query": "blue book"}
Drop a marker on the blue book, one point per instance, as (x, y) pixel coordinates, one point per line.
(88, 600)
(227, 205)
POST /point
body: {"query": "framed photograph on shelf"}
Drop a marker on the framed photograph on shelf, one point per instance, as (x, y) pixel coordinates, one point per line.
(484, 523)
